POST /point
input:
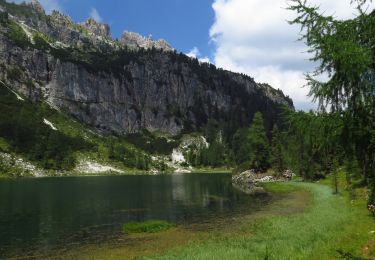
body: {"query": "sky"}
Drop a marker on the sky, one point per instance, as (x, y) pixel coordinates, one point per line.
(247, 36)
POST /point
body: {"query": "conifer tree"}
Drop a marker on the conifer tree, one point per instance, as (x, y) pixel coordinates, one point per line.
(277, 160)
(343, 50)
(259, 156)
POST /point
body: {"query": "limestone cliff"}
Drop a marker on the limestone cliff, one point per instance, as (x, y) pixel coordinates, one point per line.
(122, 86)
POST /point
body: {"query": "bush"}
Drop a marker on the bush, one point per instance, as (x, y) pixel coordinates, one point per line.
(41, 42)
(22, 127)
(149, 226)
(17, 35)
(152, 144)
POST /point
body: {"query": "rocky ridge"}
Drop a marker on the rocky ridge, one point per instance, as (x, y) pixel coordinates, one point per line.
(122, 86)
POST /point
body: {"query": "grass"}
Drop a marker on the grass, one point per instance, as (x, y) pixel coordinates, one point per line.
(312, 223)
(211, 170)
(149, 226)
(277, 188)
(332, 227)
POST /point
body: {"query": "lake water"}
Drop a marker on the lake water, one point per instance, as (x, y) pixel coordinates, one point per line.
(50, 213)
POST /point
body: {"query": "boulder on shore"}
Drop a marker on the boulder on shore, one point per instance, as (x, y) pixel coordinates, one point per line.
(248, 181)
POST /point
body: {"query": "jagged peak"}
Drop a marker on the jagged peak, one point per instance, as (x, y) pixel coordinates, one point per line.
(57, 16)
(99, 29)
(135, 41)
(37, 6)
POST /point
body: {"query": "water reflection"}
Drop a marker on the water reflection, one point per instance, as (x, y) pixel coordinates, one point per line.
(48, 213)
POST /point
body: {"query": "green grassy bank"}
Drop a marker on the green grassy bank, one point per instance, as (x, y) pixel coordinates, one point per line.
(332, 227)
(309, 223)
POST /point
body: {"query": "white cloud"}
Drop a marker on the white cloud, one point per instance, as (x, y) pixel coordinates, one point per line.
(205, 60)
(253, 37)
(95, 15)
(48, 5)
(195, 53)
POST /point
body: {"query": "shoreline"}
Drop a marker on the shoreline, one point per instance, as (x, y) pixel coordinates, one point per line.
(127, 173)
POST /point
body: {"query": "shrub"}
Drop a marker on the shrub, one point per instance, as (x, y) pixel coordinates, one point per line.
(17, 35)
(41, 42)
(22, 127)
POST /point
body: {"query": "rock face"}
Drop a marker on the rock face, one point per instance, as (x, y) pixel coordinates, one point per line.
(137, 41)
(97, 28)
(79, 69)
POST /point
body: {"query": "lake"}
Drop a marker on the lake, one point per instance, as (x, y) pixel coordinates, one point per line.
(51, 213)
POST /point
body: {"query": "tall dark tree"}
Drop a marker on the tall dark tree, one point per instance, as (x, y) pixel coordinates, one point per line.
(277, 160)
(344, 51)
(259, 155)
(241, 146)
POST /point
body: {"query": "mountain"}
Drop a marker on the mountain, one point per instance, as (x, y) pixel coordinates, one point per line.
(122, 86)
(74, 100)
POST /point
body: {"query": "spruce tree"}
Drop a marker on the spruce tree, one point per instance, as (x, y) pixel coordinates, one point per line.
(259, 156)
(277, 160)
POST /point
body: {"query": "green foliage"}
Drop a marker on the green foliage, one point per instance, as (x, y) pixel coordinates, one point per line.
(16, 34)
(217, 154)
(129, 157)
(250, 146)
(277, 157)
(241, 146)
(344, 50)
(4, 18)
(149, 226)
(21, 10)
(15, 73)
(21, 124)
(213, 156)
(276, 187)
(312, 143)
(259, 156)
(152, 143)
(41, 42)
(328, 224)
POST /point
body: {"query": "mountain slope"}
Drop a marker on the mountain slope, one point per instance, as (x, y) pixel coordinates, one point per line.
(122, 86)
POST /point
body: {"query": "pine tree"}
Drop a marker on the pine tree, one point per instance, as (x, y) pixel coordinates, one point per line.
(259, 157)
(343, 49)
(277, 160)
(241, 146)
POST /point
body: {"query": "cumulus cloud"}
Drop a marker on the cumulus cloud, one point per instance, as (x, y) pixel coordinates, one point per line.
(94, 14)
(253, 37)
(49, 5)
(195, 53)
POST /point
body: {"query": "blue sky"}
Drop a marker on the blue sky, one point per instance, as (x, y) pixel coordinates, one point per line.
(247, 36)
(183, 23)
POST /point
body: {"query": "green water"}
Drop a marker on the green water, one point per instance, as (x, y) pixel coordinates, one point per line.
(52, 213)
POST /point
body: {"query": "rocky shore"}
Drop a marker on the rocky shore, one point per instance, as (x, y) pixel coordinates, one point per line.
(248, 181)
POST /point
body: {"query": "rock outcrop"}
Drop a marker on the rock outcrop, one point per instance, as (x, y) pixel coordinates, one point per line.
(98, 29)
(79, 69)
(248, 181)
(136, 41)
